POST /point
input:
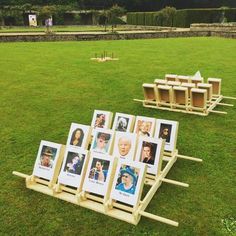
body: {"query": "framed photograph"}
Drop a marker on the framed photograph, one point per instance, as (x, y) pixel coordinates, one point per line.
(47, 158)
(102, 141)
(168, 130)
(101, 119)
(128, 182)
(79, 135)
(72, 170)
(123, 122)
(98, 173)
(150, 151)
(144, 126)
(125, 145)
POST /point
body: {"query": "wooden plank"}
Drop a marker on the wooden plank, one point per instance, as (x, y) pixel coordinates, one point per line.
(189, 158)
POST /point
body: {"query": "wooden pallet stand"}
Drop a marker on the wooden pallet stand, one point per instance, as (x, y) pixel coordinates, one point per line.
(196, 80)
(106, 205)
(189, 86)
(173, 83)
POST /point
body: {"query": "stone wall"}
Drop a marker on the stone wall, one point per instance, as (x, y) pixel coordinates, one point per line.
(112, 36)
(226, 27)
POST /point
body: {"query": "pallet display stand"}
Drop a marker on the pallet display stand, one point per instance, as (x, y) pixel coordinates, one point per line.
(106, 205)
(167, 95)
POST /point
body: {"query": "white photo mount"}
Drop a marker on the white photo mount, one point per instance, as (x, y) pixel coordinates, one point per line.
(125, 145)
(102, 141)
(98, 176)
(73, 167)
(101, 119)
(123, 122)
(144, 126)
(79, 135)
(150, 151)
(168, 130)
(131, 171)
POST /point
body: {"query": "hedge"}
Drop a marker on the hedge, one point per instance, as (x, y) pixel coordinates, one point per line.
(183, 18)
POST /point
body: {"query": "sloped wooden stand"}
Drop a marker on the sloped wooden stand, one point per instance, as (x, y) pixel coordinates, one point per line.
(106, 205)
(215, 101)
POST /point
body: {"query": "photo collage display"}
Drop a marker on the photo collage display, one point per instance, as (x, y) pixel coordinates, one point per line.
(137, 143)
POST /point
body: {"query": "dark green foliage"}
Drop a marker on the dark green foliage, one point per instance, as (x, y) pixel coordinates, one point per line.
(181, 18)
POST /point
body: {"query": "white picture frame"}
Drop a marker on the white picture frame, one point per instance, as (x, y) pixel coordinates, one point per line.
(79, 135)
(101, 119)
(102, 141)
(168, 130)
(144, 126)
(47, 157)
(125, 145)
(98, 174)
(131, 173)
(123, 122)
(150, 151)
(73, 167)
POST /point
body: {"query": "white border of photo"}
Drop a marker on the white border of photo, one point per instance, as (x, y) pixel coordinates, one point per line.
(145, 119)
(130, 125)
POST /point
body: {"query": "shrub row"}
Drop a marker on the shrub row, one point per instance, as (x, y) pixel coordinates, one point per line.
(182, 18)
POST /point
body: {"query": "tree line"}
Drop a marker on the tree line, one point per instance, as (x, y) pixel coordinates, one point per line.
(129, 5)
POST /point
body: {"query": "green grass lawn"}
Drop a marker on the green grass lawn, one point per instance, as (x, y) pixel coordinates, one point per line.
(46, 86)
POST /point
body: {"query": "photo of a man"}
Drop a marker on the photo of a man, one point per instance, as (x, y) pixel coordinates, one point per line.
(47, 156)
(165, 132)
(99, 170)
(124, 146)
(122, 124)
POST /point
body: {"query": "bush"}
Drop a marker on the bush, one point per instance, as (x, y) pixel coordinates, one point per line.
(181, 18)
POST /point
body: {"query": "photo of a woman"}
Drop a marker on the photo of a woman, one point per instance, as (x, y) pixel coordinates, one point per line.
(77, 137)
(148, 153)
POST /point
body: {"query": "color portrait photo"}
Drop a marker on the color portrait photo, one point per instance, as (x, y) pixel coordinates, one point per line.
(46, 160)
(125, 145)
(102, 140)
(128, 182)
(144, 126)
(98, 173)
(167, 130)
(72, 170)
(79, 135)
(150, 151)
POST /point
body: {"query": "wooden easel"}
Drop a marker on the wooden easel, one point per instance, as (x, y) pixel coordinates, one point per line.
(107, 206)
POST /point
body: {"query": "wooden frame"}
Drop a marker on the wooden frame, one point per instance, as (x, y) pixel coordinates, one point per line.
(150, 93)
(198, 99)
(216, 85)
(180, 97)
(173, 83)
(164, 95)
(184, 79)
(189, 86)
(171, 77)
(160, 82)
(208, 88)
